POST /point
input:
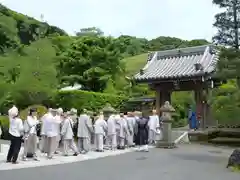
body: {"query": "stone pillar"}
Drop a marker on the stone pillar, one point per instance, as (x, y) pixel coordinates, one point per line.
(167, 141)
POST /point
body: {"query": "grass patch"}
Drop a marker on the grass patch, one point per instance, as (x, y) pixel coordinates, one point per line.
(135, 63)
(37, 66)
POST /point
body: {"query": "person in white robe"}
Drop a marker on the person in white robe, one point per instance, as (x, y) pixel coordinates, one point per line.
(111, 132)
(30, 137)
(74, 118)
(153, 125)
(16, 131)
(100, 127)
(131, 124)
(51, 133)
(43, 142)
(12, 111)
(0, 137)
(67, 135)
(124, 118)
(59, 119)
(73, 114)
(0, 129)
(85, 129)
(121, 131)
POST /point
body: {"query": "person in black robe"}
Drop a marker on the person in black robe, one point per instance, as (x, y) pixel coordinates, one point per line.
(141, 133)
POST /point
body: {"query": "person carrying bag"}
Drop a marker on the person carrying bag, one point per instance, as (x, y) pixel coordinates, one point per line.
(30, 136)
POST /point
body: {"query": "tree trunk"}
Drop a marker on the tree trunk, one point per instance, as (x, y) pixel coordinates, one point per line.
(235, 19)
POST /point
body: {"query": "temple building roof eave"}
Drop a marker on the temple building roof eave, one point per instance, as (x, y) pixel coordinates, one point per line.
(179, 64)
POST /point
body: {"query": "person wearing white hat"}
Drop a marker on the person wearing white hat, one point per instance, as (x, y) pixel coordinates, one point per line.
(51, 132)
(73, 114)
(43, 142)
(0, 136)
(131, 124)
(153, 126)
(30, 140)
(111, 131)
(59, 118)
(85, 129)
(15, 131)
(67, 135)
(13, 111)
(122, 131)
(0, 130)
(100, 127)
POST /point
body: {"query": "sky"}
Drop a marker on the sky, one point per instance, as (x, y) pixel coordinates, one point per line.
(186, 19)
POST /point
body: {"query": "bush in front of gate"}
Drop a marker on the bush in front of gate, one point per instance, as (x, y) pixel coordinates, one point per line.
(4, 124)
(93, 101)
(71, 99)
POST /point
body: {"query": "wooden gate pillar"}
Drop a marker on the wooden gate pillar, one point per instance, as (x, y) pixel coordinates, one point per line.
(165, 96)
(157, 102)
(209, 119)
(161, 97)
(199, 106)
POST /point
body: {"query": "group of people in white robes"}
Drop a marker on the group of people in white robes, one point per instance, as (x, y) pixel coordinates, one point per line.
(58, 125)
(121, 131)
(118, 131)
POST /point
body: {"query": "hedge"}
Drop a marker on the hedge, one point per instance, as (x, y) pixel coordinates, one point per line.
(4, 123)
(80, 100)
(87, 100)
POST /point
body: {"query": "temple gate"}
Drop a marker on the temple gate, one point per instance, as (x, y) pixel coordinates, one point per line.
(186, 69)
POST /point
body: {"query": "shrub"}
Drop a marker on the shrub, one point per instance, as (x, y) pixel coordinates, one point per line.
(4, 122)
(26, 96)
(6, 102)
(87, 100)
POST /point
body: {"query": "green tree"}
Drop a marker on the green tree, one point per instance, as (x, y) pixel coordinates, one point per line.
(13, 74)
(225, 104)
(227, 23)
(8, 33)
(91, 31)
(90, 61)
(228, 26)
(60, 43)
(130, 46)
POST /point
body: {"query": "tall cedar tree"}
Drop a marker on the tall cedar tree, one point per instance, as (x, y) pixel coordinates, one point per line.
(227, 23)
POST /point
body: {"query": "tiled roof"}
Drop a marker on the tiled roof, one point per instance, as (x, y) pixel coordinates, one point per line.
(179, 63)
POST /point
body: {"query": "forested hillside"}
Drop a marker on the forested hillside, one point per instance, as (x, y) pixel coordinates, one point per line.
(17, 29)
(37, 59)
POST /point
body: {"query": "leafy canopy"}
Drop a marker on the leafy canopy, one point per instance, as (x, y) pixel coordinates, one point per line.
(90, 61)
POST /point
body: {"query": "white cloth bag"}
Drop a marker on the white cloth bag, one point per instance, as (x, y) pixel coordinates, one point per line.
(159, 136)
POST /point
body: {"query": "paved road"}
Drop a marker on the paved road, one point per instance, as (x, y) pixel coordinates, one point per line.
(190, 161)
